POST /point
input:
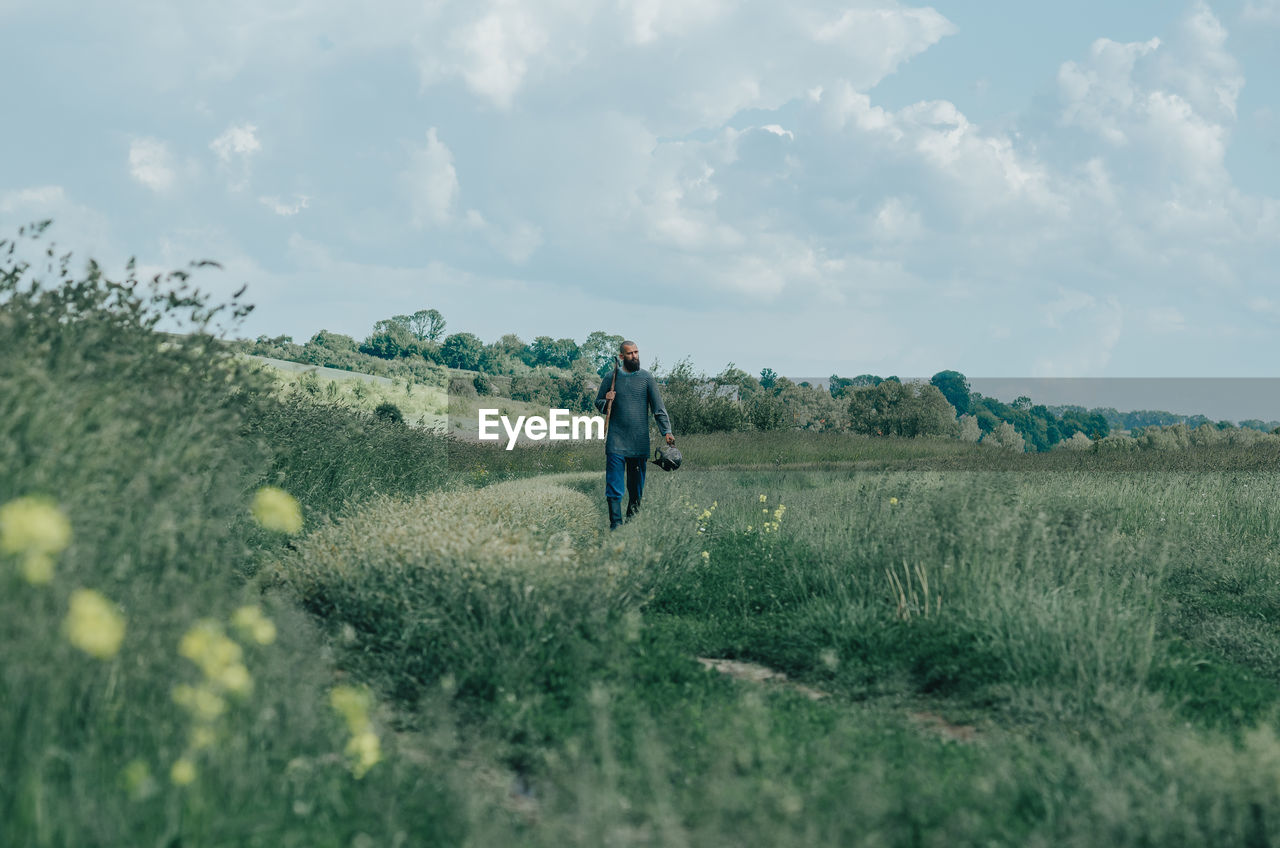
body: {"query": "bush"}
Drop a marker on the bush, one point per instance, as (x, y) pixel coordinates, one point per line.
(389, 412)
(891, 408)
(1078, 442)
(1006, 437)
(460, 386)
(536, 386)
(767, 413)
(695, 404)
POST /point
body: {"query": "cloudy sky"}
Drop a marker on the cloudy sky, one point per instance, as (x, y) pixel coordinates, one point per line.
(1004, 188)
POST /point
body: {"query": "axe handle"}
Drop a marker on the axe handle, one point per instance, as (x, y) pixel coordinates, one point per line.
(608, 407)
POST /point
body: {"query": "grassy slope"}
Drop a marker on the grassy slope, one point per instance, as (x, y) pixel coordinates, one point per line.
(1091, 628)
(1108, 636)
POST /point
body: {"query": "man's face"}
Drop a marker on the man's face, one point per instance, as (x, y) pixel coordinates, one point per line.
(630, 357)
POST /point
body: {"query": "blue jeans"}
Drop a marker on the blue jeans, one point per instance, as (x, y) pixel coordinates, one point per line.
(615, 466)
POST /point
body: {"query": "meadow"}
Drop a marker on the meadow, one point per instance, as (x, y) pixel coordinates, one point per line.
(236, 616)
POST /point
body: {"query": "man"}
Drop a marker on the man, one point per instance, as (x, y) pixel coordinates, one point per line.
(626, 448)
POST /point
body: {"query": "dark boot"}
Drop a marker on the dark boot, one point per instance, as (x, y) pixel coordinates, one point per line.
(615, 513)
(635, 485)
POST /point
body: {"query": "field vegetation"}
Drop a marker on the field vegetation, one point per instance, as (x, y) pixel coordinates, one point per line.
(235, 616)
(418, 400)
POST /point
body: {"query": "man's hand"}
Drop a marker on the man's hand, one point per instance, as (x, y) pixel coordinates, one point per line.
(609, 395)
(671, 440)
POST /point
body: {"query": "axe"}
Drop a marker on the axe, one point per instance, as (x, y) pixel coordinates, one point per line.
(608, 407)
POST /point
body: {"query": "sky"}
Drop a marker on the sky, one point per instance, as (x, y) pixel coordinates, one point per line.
(1000, 188)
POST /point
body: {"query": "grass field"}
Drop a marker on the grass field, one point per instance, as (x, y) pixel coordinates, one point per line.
(803, 640)
(422, 404)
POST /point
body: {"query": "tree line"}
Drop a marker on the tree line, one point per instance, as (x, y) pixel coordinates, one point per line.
(563, 373)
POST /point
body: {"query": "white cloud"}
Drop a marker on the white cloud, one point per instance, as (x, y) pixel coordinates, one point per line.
(150, 164)
(897, 220)
(1171, 102)
(235, 148)
(654, 19)
(432, 183)
(860, 28)
(498, 48)
(1261, 11)
(1099, 92)
(33, 199)
(700, 62)
(236, 141)
(280, 207)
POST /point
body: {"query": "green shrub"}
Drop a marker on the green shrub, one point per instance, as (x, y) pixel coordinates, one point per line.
(389, 412)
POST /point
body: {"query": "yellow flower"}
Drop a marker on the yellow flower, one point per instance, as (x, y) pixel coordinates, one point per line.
(892, 501)
(276, 509)
(706, 556)
(93, 625)
(763, 498)
(202, 737)
(183, 772)
(365, 751)
(748, 528)
(353, 705)
(252, 624)
(706, 513)
(37, 568)
(33, 525)
(235, 679)
(137, 780)
(218, 656)
(202, 702)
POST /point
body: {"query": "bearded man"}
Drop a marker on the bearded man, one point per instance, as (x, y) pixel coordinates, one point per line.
(629, 394)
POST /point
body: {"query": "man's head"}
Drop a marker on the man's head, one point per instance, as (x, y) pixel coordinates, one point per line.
(630, 356)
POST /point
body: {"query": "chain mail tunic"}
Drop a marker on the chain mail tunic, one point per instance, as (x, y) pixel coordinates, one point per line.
(637, 393)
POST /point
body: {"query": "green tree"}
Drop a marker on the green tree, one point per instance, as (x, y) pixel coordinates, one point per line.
(767, 378)
(695, 403)
(536, 386)
(600, 350)
(811, 407)
(390, 339)
(427, 325)
(767, 412)
(557, 353)
(462, 350)
(734, 376)
(954, 387)
(894, 409)
(336, 342)
(837, 386)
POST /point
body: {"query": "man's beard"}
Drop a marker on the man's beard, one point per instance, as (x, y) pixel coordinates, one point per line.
(631, 366)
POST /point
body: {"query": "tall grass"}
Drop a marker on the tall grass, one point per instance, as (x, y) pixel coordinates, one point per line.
(138, 438)
(1107, 638)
